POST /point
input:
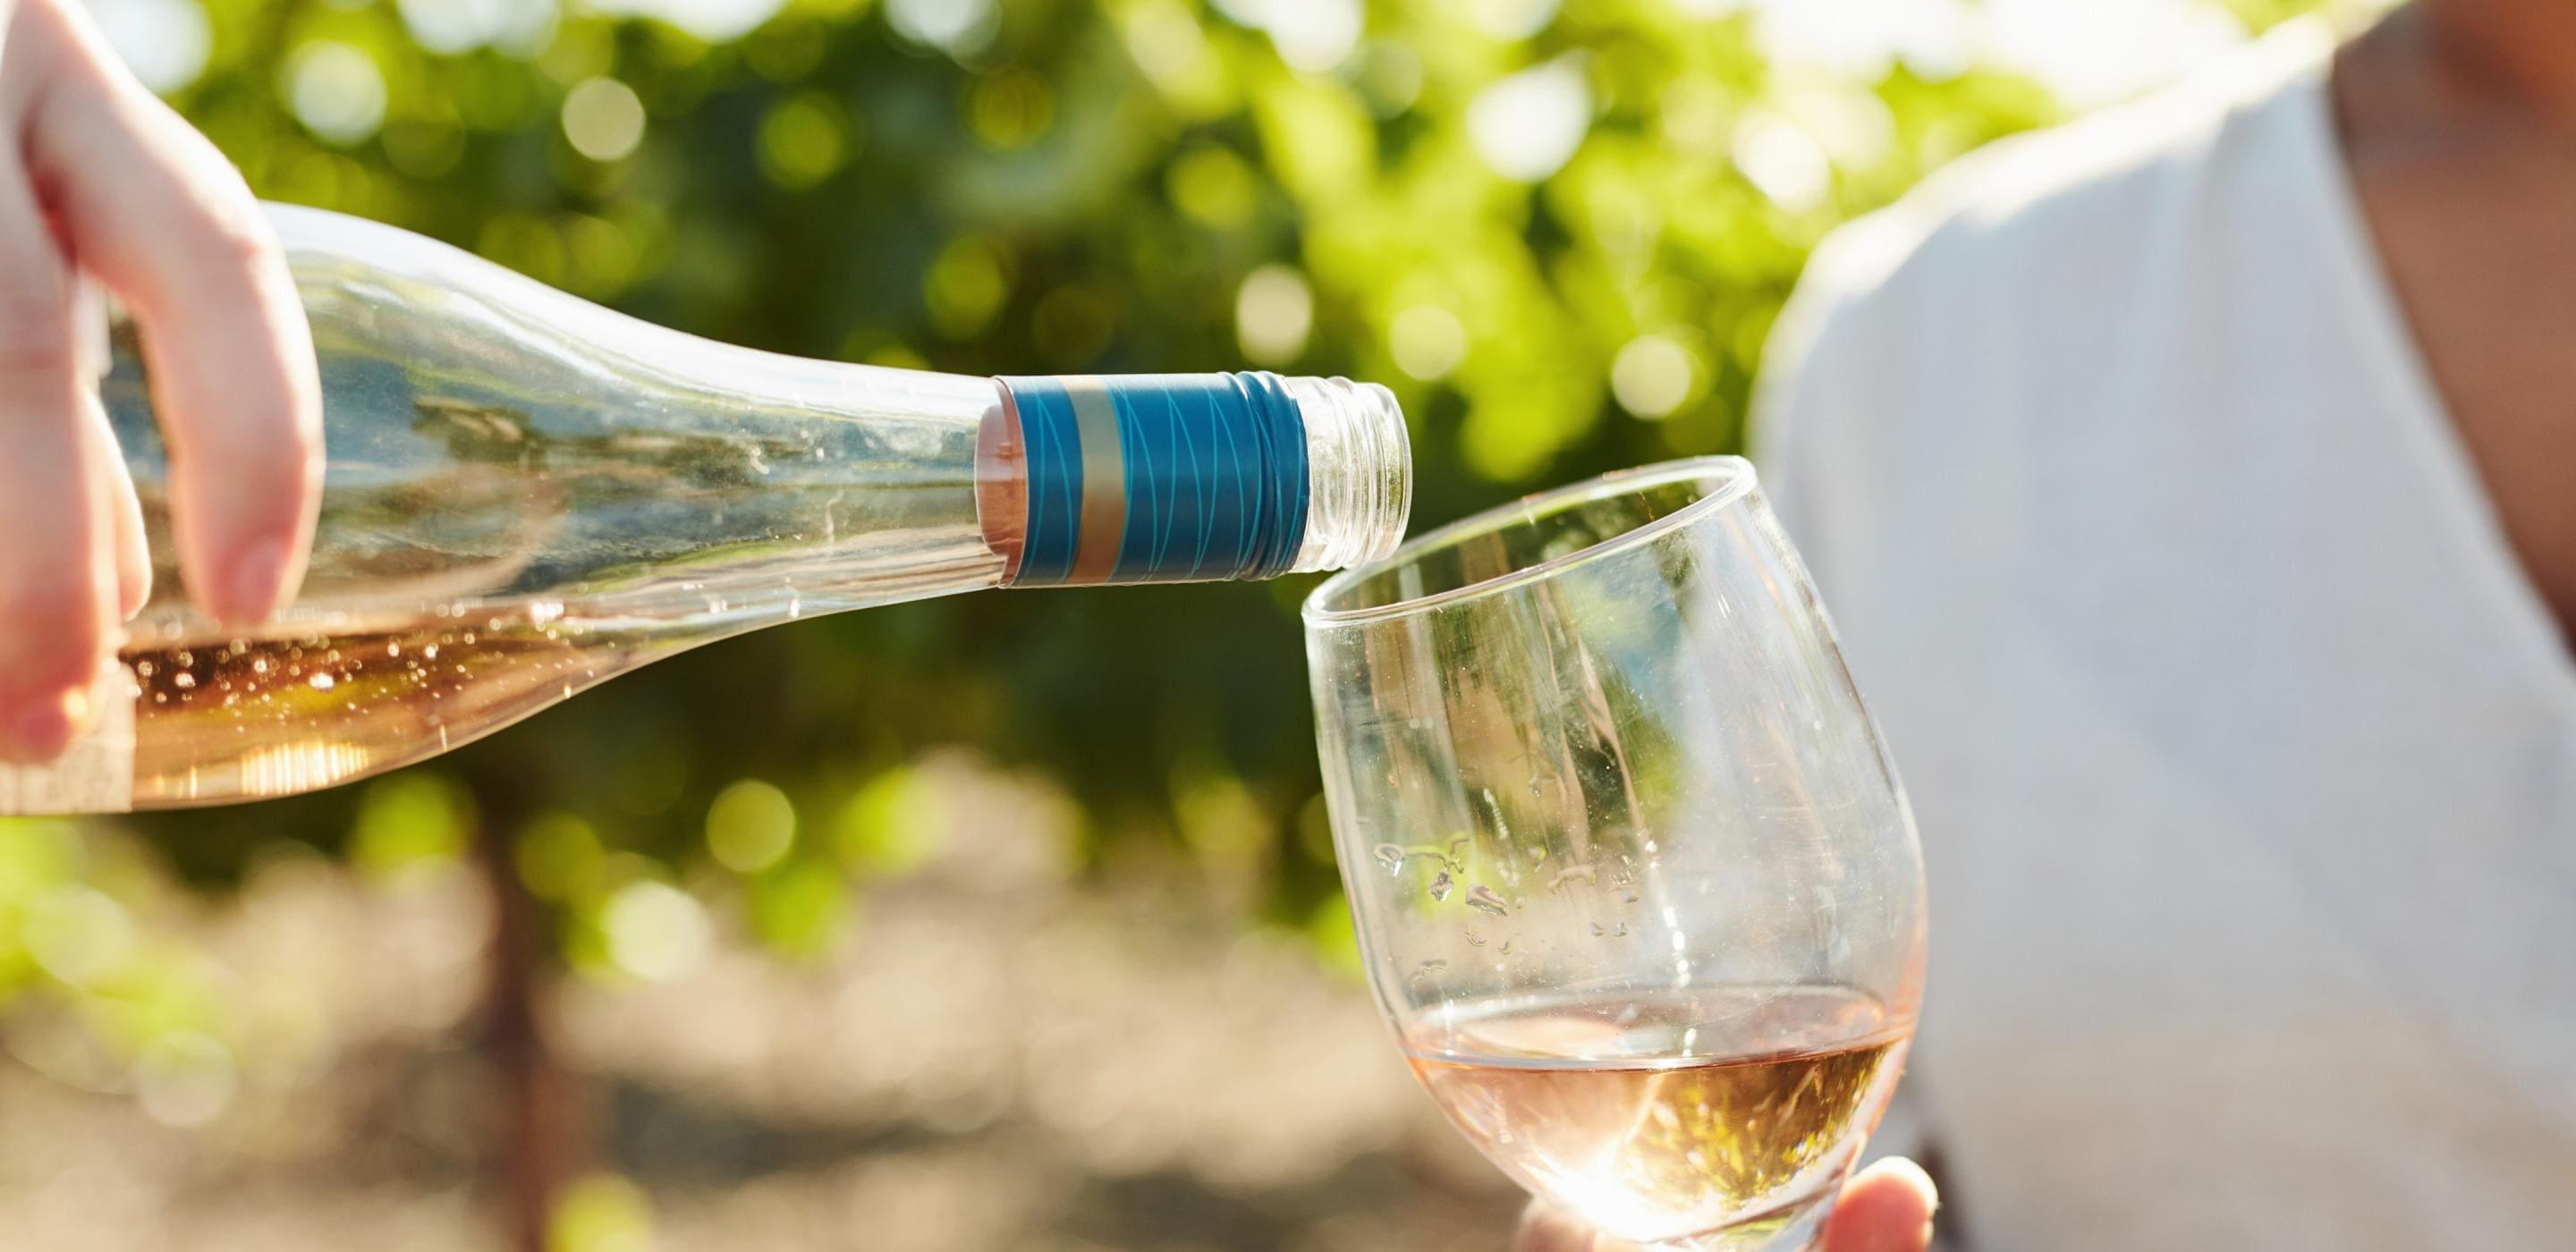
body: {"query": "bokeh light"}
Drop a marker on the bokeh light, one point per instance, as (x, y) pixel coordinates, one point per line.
(1314, 36)
(1528, 125)
(1274, 312)
(713, 20)
(602, 1213)
(1427, 341)
(77, 933)
(336, 91)
(1782, 160)
(804, 140)
(602, 119)
(1512, 19)
(1165, 40)
(1652, 376)
(557, 856)
(656, 931)
(165, 42)
(185, 1079)
(750, 826)
(957, 27)
(454, 26)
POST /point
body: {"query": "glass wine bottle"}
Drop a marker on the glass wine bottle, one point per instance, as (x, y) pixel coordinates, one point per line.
(527, 494)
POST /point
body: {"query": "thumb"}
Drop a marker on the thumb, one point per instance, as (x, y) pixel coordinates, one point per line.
(1885, 1208)
(1543, 1229)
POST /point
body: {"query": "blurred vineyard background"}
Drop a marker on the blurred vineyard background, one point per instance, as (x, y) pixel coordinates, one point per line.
(1007, 922)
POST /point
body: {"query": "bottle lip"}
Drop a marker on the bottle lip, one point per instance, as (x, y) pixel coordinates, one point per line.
(1360, 462)
(1732, 479)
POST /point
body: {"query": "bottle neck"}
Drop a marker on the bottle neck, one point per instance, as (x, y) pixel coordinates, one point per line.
(1187, 477)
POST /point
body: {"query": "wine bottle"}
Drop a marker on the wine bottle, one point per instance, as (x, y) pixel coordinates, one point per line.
(527, 494)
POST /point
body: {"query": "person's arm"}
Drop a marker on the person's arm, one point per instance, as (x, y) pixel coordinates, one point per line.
(1885, 1208)
(101, 179)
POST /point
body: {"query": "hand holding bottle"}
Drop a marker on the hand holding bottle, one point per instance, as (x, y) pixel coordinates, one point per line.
(102, 179)
(529, 494)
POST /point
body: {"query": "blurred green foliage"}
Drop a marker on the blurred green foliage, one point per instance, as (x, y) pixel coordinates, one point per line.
(1560, 233)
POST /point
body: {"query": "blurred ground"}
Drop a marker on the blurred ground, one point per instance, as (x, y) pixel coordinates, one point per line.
(1003, 1057)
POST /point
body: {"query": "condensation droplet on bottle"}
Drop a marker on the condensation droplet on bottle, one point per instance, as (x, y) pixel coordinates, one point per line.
(1475, 940)
(321, 682)
(1440, 885)
(1482, 897)
(1597, 931)
(1507, 947)
(1433, 966)
(1390, 856)
(184, 682)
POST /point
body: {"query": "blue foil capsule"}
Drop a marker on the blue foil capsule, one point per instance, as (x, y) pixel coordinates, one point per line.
(1158, 477)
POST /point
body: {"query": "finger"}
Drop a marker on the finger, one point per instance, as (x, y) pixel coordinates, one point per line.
(158, 215)
(1543, 1229)
(55, 540)
(113, 487)
(1885, 1208)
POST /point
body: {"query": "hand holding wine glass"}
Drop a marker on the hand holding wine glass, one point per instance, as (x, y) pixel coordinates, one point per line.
(1632, 874)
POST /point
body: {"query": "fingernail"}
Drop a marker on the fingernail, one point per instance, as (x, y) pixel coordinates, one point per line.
(45, 727)
(256, 579)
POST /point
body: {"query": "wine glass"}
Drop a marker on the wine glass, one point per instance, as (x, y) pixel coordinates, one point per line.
(1633, 876)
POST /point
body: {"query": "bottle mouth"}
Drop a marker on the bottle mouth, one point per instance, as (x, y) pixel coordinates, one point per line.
(1359, 467)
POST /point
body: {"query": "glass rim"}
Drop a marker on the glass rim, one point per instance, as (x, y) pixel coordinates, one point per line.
(1739, 479)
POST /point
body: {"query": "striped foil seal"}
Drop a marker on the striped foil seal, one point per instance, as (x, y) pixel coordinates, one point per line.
(1159, 477)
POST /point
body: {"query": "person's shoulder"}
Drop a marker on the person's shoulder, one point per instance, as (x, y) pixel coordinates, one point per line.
(2045, 203)
(1924, 338)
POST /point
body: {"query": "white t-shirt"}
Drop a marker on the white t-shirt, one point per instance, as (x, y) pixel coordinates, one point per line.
(2243, 750)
